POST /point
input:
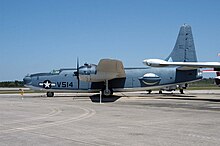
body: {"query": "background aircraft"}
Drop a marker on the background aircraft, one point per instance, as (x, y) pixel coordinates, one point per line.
(180, 68)
(217, 78)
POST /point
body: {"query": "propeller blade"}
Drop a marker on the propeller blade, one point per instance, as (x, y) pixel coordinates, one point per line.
(77, 65)
(77, 69)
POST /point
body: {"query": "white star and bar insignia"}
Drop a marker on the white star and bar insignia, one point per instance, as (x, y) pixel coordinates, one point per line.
(47, 84)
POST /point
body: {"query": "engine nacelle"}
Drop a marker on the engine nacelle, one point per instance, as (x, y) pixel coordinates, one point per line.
(89, 73)
(86, 71)
(107, 69)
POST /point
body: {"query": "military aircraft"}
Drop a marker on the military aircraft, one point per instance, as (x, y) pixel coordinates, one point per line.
(109, 76)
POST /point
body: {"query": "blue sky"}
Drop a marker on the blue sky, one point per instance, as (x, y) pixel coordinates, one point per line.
(41, 35)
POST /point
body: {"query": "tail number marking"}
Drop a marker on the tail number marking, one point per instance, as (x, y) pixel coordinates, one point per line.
(65, 84)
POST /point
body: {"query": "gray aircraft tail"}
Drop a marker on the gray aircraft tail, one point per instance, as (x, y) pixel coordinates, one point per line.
(184, 49)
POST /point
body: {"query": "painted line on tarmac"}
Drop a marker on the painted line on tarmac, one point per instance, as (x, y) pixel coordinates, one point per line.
(87, 114)
(54, 112)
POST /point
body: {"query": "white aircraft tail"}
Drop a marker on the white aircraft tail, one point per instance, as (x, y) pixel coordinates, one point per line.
(184, 49)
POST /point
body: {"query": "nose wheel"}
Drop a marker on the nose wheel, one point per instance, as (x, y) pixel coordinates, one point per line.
(50, 94)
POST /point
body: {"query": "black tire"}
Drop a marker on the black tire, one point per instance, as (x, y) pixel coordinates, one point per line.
(50, 94)
(110, 94)
(181, 91)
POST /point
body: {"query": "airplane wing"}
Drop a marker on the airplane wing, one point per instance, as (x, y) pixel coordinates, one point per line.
(181, 65)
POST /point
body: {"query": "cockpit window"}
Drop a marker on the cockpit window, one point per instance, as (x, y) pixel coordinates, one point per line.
(55, 72)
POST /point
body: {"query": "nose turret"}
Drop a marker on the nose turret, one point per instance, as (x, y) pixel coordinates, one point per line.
(27, 80)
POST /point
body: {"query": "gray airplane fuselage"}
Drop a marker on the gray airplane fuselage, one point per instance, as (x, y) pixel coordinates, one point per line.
(146, 78)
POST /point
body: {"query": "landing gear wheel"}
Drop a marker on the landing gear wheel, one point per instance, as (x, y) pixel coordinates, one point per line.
(160, 92)
(50, 94)
(108, 92)
(181, 91)
(149, 91)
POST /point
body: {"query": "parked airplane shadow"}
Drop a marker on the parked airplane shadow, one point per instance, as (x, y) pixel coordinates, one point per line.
(166, 94)
(195, 99)
(178, 95)
(96, 98)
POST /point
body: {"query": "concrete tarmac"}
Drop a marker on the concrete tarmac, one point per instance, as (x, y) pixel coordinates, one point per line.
(124, 119)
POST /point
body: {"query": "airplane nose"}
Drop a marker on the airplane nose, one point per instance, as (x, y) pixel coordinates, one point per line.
(27, 80)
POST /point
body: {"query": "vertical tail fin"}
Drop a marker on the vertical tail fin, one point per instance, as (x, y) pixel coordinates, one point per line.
(184, 49)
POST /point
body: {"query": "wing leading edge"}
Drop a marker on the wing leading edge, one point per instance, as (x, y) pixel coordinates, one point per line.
(181, 65)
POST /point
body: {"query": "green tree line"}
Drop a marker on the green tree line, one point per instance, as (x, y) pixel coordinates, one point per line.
(12, 84)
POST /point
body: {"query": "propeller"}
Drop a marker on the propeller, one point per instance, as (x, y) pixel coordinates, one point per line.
(77, 70)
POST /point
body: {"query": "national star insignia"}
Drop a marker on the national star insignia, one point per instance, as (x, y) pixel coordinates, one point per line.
(47, 84)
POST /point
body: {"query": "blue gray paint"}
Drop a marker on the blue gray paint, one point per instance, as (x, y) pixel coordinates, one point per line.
(184, 51)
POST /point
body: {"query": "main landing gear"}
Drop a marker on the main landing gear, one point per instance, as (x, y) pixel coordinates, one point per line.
(181, 91)
(50, 94)
(106, 91)
(149, 91)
